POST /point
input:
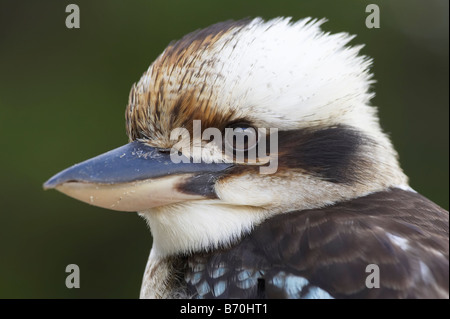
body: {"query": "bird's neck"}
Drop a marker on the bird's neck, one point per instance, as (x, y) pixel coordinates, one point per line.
(199, 226)
(179, 230)
(161, 280)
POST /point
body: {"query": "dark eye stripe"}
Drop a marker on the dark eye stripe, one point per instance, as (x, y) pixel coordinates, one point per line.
(333, 153)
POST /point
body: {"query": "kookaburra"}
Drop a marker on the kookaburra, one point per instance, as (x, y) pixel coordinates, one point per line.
(337, 205)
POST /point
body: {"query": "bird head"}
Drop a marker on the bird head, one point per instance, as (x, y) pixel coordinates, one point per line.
(300, 92)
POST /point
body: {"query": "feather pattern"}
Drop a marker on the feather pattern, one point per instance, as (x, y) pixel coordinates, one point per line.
(323, 253)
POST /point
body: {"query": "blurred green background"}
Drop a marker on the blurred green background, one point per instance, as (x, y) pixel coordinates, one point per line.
(63, 94)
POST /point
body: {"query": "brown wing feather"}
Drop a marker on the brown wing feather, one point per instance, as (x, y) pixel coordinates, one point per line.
(402, 232)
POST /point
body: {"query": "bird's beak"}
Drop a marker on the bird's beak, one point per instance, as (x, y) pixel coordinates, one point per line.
(136, 177)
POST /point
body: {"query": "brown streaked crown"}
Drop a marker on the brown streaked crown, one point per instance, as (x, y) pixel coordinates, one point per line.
(179, 87)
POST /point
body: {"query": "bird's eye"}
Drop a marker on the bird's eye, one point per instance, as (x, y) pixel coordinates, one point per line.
(241, 137)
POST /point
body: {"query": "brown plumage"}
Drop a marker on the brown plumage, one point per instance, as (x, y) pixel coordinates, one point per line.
(331, 248)
(177, 91)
